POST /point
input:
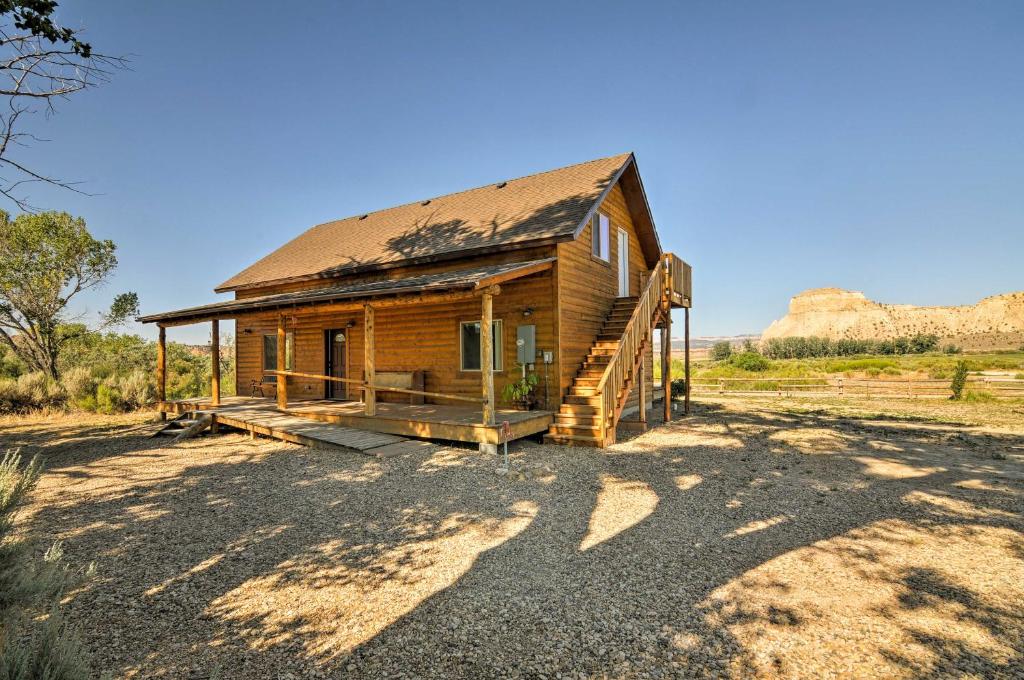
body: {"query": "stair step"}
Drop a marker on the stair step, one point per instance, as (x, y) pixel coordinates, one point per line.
(592, 431)
(578, 410)
(573, 419)
(582, 391)
(571, 440)
(583, 400)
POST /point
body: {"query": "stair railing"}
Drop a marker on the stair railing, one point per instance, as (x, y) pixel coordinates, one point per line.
(620, 366)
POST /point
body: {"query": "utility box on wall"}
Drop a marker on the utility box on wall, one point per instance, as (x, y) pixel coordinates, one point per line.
(526, 344)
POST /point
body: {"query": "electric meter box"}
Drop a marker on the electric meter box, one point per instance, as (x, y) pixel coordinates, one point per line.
(526, 344)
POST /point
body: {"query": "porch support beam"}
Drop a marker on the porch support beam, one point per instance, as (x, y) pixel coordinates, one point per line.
(369, 357)
(686, 360)
(641, 383)
(666, 363)
(282, 348)
(487, 352)
(161, 370)
(215, 363)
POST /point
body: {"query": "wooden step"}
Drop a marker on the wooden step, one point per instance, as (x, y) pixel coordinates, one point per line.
(566, 419)
(583, 400)
(592, 431)
(605, 345)
(580, 410)
(571, 440)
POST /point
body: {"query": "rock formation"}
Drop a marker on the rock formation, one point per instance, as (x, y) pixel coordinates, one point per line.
(836, 313)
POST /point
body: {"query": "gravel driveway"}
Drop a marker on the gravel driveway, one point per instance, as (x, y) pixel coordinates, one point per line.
(741, 542)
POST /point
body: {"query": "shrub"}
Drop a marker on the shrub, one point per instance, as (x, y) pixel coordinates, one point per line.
(32, 646)
(980, 397)
(29, 392)
(108, 398)
(952, 349)
(959, 380)
(678, 387)
(78, 383)
(137, 390)
(721, 351)
(750, 361)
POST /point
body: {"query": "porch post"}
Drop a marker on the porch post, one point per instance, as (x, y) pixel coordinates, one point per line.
(641, 384)
(686, 360)
(487, 355)
(369, 352)
(215, 367)
(282, 380)
(666, 362)
(161, 371)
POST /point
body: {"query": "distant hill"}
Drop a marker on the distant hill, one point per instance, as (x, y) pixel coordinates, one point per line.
(993, 323)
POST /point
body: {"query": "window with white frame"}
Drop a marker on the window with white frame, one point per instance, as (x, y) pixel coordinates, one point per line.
(270, 354)
(469, 342)
(601, 230)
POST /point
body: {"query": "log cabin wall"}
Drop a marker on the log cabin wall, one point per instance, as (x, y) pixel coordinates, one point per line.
(409, 337)
(588, 286)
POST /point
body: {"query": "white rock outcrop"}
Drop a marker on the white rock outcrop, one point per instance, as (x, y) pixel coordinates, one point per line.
(836, 313)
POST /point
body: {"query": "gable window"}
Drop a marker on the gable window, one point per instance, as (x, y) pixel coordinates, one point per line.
(270, 354)
(601, 231)
(469, 342)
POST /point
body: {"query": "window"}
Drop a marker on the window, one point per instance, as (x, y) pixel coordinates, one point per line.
(601, 228)
(270, 354)
(469, 336)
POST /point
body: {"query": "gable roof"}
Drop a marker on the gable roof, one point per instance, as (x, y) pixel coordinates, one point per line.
(543, 208)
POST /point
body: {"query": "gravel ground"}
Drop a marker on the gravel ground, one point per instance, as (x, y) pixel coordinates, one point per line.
(745, 541)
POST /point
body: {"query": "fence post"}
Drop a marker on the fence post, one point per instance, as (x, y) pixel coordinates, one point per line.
(721, 386)
(840, 386)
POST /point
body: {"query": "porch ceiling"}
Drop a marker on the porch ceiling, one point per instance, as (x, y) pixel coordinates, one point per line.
(464, 279)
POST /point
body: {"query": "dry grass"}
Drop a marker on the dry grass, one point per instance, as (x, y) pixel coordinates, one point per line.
(750, 540)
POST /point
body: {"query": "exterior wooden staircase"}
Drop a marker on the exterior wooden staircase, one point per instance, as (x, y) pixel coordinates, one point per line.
(590, 412)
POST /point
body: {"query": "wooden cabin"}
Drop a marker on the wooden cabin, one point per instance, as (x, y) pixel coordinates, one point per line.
(413, 320)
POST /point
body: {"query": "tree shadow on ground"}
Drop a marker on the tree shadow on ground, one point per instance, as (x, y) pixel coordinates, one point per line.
(719, 544)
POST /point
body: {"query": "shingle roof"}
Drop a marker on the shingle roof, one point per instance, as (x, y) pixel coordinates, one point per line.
(545, 206)
(463, 279)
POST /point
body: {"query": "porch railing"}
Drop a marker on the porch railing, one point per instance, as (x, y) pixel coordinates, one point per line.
(363, 385)
(681, 278)
(637, 332)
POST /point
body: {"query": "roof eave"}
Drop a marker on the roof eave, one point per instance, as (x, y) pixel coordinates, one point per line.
(383, 266)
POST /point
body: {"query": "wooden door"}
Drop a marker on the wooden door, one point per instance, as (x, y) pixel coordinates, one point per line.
(623, 263)
(336, 363)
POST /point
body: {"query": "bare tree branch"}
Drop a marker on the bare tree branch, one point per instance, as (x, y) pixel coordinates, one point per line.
(39, 68)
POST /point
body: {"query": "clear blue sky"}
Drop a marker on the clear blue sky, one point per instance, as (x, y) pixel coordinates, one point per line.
(873, 146)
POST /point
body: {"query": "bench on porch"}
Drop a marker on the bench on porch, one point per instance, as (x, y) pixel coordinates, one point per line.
(407, 380)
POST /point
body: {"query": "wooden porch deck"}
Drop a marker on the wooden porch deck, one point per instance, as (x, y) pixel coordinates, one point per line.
(425, 421)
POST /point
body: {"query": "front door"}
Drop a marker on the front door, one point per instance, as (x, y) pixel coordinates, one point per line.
(623, 263)
(336, 361)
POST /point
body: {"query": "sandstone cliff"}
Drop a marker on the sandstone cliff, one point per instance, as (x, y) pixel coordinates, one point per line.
(996, 321)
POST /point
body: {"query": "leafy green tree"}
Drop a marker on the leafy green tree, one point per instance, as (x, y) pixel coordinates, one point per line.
(721, 350)
(45, 261)
(959, 380)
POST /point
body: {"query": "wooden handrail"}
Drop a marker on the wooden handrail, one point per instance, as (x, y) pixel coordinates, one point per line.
(379, 388)
(634, 337)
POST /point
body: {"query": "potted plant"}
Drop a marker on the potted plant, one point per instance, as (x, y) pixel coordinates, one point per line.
(520, 392)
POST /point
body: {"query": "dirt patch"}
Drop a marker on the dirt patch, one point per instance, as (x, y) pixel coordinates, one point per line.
(745, 541)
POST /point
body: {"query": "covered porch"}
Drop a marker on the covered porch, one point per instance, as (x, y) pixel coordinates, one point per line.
(289, 321)
(425, 421)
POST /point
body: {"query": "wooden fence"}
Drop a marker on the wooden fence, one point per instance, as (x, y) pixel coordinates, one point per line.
(998, 387)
